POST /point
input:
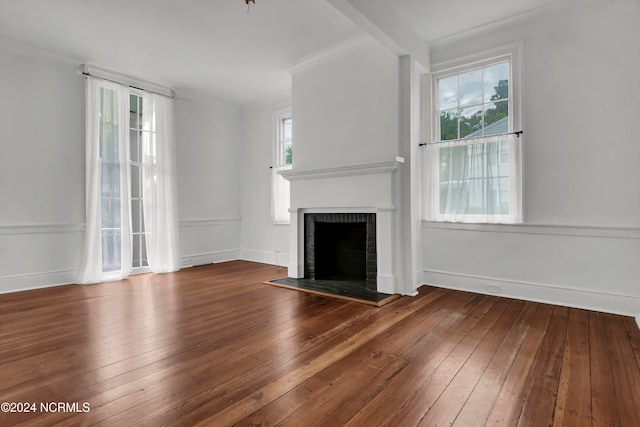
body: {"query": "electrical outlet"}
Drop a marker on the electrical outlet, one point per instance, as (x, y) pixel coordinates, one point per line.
(494, 289)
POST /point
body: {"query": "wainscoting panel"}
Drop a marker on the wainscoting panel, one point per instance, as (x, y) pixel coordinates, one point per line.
(39, 255)
(208, 241)
(593, 268)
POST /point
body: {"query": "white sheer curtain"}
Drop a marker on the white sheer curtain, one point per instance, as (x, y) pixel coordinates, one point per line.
(107, 242)
(281, 198)
(159, 184)
(475, 181)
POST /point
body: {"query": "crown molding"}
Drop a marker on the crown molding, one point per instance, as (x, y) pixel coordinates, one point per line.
(548, 11)
(22, 48)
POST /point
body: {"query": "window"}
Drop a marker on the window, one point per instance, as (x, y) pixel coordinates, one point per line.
(283, 161)
(110, 184)
(137, 134)
(473, 168)
(474, 103)
(110, 191)
(131, 218)
(285, 154)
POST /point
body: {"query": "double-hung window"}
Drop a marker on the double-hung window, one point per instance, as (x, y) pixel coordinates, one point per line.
(473, 166)
(283, 157)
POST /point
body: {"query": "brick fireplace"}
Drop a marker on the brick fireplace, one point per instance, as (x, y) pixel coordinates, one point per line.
(357, 202)
(341, 246)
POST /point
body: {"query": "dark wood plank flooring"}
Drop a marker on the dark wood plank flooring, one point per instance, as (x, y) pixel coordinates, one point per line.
(213, 345)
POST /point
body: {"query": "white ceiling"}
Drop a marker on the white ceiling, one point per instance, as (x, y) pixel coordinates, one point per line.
(436, 19)
(219, 49)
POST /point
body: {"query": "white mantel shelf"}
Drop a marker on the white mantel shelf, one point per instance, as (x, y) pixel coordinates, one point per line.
(363, 169)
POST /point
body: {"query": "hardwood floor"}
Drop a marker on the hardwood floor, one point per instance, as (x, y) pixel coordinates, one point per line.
(213, 346)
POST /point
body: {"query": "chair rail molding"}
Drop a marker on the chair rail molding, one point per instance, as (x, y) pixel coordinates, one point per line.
(40, 228)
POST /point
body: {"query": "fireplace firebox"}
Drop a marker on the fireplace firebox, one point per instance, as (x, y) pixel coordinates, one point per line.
(341, 247)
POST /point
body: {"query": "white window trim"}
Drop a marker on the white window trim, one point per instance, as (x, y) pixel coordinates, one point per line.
(513, 53)
(277, 155)
(279, 116)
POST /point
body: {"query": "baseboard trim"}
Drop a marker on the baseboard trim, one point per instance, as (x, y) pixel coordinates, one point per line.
(608, 302)
(31, 281)
(210, 258)
(266, 257)
(49, 279)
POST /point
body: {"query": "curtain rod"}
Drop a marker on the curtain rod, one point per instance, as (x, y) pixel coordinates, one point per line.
(517, 133)
(87, 74)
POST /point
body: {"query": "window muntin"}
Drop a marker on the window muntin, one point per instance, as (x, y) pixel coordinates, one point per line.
(283, 160)
(473, 170)
(474, 103)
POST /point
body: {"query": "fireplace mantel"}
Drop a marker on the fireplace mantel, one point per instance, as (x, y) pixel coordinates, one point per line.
(361, 169)
(371, 187)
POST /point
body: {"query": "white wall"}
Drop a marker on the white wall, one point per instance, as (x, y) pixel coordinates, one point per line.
(260, 237)
(41, 169)
(581, 244)
(208, 162)
(42, 172)
(346, 109)
(347, 138)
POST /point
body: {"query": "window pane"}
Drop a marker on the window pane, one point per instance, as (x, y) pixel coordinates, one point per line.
(135, 182)
(110, 212)
(470, 88)
(106, 213)
(453, 162)
(471, 122)
(475, 197)
(498, 196)
(136, 251)
(448, 125)
(110, 180)
(448, 92)
(115, 208)
(134, 112)
(115, 180)
(143, 246)
(111, 250)
(496, 118)
(503, 160)
(106, 183)
(496, 82)
(136, 214)
(287, 138)
(134, 145)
